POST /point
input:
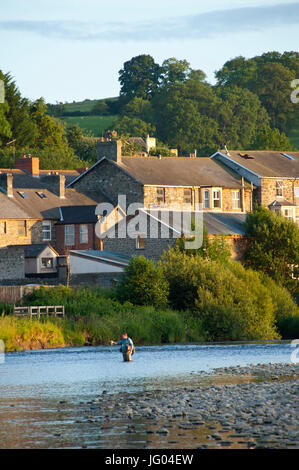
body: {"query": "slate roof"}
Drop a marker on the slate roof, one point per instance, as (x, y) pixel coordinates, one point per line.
(179, 171)
(78, 214)
(281, 203)
(216, 223)
(34, 250)
(268, 164)
(35, 207)
(106, 256)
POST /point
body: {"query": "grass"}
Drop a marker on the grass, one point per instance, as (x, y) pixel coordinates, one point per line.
(94, 124)
(84, 106)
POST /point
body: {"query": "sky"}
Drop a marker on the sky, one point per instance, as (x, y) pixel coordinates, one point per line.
(65, 50)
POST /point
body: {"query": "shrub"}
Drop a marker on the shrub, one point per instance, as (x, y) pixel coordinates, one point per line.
(143, 283)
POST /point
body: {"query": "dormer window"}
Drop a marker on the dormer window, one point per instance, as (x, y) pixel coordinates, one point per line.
(279, 188)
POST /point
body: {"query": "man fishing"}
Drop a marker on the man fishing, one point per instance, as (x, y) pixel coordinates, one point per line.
(126, 347)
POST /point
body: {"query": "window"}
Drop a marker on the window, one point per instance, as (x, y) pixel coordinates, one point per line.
(140, 243)
(217, 198)
(46, 230)
(47, 263)
(236, 200)
(279, 188)
(296, 192)
(22, 194)
(22, 228)
(3, 227)
(69, 235)
(288, 213)
(41, 195)
(206, 202)
(160, 195)
(187, 196)
(83, 233)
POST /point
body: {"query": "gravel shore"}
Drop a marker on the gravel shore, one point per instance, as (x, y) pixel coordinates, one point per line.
(248, 407)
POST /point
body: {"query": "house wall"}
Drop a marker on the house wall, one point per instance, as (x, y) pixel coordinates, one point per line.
(268, 190)
(154, 247)
(12, 263)
(34, 233)
(112, 182)
(175, 196)
(93, 240)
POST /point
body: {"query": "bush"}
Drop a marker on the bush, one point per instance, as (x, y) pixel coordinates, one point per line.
(231, 302)
(143, 283)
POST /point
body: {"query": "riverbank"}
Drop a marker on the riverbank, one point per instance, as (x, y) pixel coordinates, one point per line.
(237, 407)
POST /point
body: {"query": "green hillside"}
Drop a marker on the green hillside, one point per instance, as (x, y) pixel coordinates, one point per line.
(94, 124)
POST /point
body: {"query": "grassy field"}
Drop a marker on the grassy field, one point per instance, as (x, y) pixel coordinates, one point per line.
(84, 106)
(95, 124)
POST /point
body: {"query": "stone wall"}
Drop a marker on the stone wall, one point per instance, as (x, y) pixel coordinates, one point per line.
(268, 190)
(95, 279)
(154, 247)
(176, 195)
(34, 233)
(112, 182)
(12, 263)
(110, 150)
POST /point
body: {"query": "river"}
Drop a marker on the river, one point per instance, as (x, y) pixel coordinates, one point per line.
(36, 385)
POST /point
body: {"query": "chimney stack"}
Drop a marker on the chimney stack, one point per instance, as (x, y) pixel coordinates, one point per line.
(29, 164)
(110, 149)
(6, 182)
(55, 183)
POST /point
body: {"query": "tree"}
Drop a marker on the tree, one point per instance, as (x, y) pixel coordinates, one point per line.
(17, 114)
(100, 108)
(143, 283)
(5, 129)
(241, 117)
(273, 247)
(213, 248)
(49, 130)
(139, 77)
(174, 71)
(137, 108)
(133, 127)
(269, 77)
(270, 139)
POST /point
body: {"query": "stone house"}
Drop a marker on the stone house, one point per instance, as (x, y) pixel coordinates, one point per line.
(152, 182)
(275, 176)
(151, 232)
(30, 204)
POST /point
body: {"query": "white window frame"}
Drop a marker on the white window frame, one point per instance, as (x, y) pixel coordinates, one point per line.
(84, 234)
(47, 230)
(217, 190)
(206, 200)
(48, 259)
(290, 210)
(236, 201)
(69, 235)
(279, 188)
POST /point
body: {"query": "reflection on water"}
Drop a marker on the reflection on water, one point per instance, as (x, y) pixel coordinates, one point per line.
(33, 383)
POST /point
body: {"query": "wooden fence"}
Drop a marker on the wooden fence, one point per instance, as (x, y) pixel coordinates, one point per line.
(38, 311)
